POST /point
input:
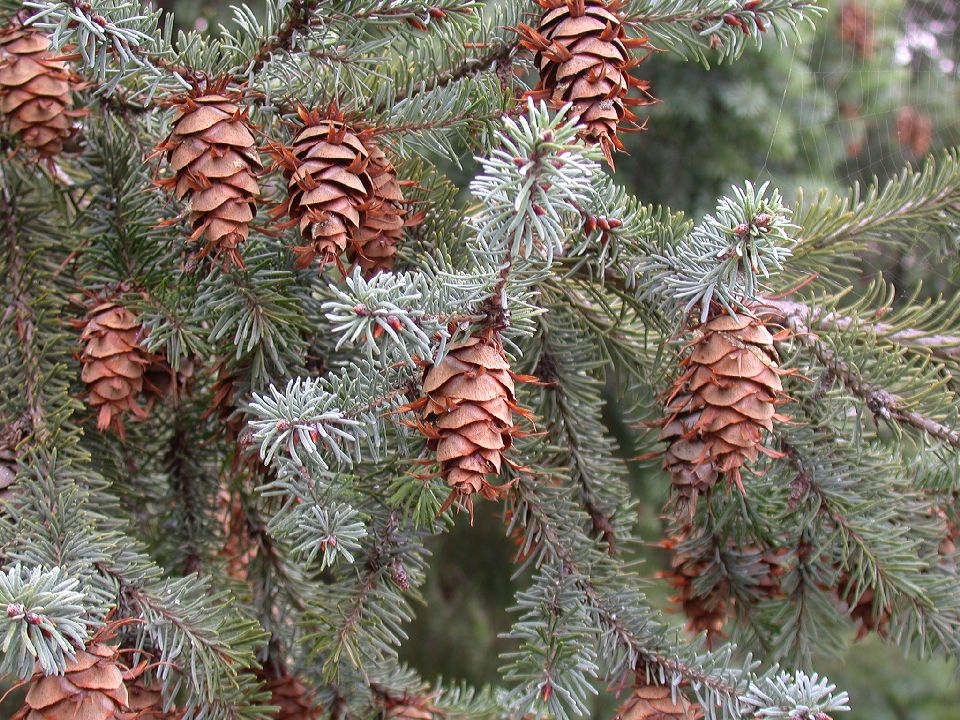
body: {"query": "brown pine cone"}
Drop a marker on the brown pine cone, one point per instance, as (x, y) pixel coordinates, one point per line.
(862, 608)
(467, 416)
(215, 162)
(10, 436)
(721, 405)
(409, 707)
(914, 130)
(856, 27)
(654, 702)
(114, 363)
(705, 613)
(770, 582)
(374, 244)
(92, 688)
(327, 185)
(295, 700)
(238, 548)
(583, 55)
(146, 703)
(35, 90)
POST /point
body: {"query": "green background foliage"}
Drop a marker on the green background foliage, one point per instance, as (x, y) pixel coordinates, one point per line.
(818, 115)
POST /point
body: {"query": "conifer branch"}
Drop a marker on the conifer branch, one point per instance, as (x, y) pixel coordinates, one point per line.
(497, 56)
(940, 345)
(299, 14)
(720, 29)
(880, 401)
(20, 306)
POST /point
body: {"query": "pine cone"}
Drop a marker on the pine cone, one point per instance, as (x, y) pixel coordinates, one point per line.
(862, 608)
(214, 157)
(856, 28)
(327, 185)
(705, 613)
(35, 90)
(295, 700)
(374, 244)
(654, 702)
(227, 383)
(92, 688)
(582, 53)
(914, 130)
(409, 707)
(770, 581)
(146, 703)
(720, 405)
(114, 363)
(10, 436)
(238, 548)
(467, 416)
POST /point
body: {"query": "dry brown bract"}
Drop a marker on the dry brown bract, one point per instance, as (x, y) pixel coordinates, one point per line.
(114, 363)
(215, 162)
(583, 55)
(655, 702)
(467, 416)
(92, 688)
(720, 406)
(35, 90)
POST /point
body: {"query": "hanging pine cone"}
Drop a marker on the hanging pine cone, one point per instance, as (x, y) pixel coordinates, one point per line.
(720, 406)
(583, 55)
(114, 363)
(374, 244)
(655, 702)
(705, 613)
(146, 703)
(295, 700)
(409, 707)
(215, 163)
(467, 416)
(862, 608)
(10, 436)
(92, 688)
(856, 28)
(327, 185)
(238, 549)
(773, 566)
(914, 130)
(35, 90)
(162, 383)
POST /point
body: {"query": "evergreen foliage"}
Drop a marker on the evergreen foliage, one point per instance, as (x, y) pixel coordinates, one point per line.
(264, 510)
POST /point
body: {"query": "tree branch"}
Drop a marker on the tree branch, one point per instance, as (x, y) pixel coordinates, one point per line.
(880, 401)
(499, 55)
(298, 18)
(946, 347)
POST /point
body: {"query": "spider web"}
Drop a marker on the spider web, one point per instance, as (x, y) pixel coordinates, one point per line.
(890, 68)
(880, 91)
